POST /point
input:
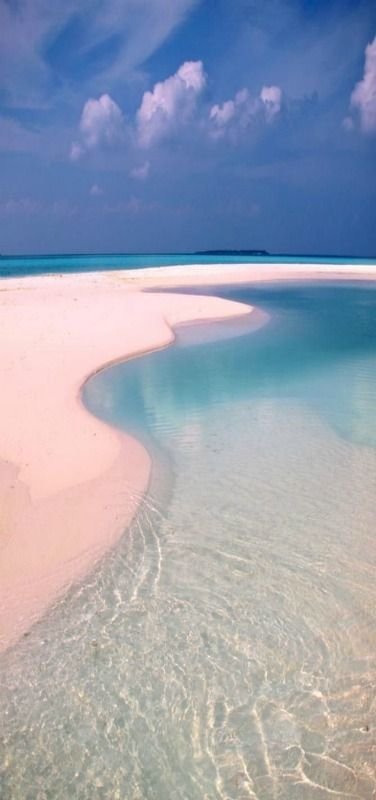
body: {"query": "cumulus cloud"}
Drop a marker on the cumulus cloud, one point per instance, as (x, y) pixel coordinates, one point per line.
(165, 109)
(232, 114)
(170, 103)
(221, 115)
(271, 97)
(101, 124)
(235, 115)
(363, 98)
(141, 172)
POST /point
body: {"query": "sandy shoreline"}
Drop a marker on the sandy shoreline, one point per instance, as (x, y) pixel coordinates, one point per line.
(69, 485)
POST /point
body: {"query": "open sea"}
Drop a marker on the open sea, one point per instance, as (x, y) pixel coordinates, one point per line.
(226, 648)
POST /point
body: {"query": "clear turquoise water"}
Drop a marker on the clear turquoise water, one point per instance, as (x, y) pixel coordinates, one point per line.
(12, 266)
(226, 648)
(317, 335)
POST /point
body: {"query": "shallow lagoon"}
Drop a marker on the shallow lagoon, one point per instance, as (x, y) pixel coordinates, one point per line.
(226, 647)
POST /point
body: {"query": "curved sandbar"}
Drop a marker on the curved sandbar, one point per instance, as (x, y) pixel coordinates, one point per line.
(69, 484)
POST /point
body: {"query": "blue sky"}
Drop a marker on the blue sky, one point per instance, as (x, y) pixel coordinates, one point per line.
(175, 125)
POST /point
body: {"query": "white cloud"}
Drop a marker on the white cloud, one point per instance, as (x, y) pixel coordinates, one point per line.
(191, 73)
(271, 97)
(96, 191)
(101, 124)
(222, 114)
(142, 172)
(232, 114)
(236, 115)
(170, 103)
(363, 98)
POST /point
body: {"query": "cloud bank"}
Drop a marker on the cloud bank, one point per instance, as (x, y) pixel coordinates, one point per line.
(234, 116)
(167, 108)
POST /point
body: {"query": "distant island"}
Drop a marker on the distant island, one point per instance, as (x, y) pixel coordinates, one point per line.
(231, 253)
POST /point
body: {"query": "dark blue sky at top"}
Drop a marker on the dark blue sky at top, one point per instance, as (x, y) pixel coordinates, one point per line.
(288, 165)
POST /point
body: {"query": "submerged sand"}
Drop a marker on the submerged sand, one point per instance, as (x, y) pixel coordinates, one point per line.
(69, 484)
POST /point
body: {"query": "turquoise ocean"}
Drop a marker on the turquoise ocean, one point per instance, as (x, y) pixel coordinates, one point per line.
(226, 648)
(14, 266)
